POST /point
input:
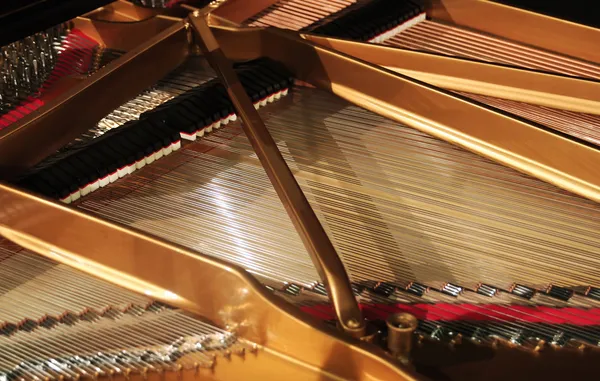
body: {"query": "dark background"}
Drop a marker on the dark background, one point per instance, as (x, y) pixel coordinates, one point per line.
(20, 18)
(580, 11)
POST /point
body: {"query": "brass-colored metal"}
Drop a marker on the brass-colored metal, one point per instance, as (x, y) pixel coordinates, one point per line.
(124, 36)
(121, 11)
(239, 11)
(221, 293)
(292, 343)
(315, 239)
(213, 19)
(519, 25)
(76, 104)
(495, 135)
(516, 143)
(545, 89)
(401, 329)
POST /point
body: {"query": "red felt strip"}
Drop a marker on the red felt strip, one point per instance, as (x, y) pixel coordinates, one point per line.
(473, 312)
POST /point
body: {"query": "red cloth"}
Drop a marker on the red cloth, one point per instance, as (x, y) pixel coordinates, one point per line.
(473, 312)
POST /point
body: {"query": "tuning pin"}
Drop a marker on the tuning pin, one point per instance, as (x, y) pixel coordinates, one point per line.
(539, 346)
(24, 73)
(35, 71)
(30, 45)
(559, 339)
(13, 54)
(44, 43)
(87, 363)
(583, 346)
(80, 371)
(206, 362)
(239, 351)
(14, 82)
(62, 367)
(48, 46)
(35, 368)
(253, 348)
(456, 340)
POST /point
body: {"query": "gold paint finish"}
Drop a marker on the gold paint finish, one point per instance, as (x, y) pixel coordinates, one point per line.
(238, 11)
(519, 25)
(500, 137)
(401, 329)
(552, 90)
(292, 343)
(227, 296)
(125, 36)
(440, 37)
(121, 11)
(314, 237)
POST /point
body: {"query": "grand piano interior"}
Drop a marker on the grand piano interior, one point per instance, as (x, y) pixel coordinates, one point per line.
(448, 149)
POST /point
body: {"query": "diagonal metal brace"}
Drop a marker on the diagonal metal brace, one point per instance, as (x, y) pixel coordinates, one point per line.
(314, 237)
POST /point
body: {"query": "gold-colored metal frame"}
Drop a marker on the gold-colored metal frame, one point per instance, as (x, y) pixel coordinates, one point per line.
(122, 11)
(228, 296)
(315, 239)
(218, 292)
(515, 24)
(501, 137)
(483, 15)
(451, 73)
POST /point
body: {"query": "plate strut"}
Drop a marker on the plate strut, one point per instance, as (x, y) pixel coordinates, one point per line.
(315, 239)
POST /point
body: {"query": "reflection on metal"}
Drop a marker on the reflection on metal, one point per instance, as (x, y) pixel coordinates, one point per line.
(488, 132)
(453, 40)
(401, 329)
(552, 90)
(67, 112)
(238, 11)
(315, 239)
(519, 25)
(121, 11)
(227, 296)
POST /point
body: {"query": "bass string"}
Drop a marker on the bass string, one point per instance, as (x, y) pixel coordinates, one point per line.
(439, 215)
(297, 14)
(194, 72)
(33, 288)
(580, 125)
(151, 331)
(436, 37)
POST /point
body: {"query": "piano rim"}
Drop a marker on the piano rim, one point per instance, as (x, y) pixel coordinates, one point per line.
(18, 224)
